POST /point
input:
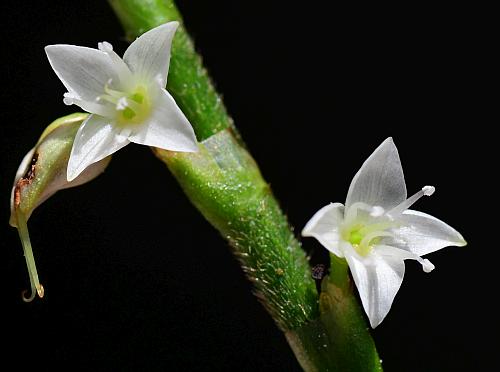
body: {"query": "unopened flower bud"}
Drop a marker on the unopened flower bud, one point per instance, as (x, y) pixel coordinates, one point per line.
(41, 174)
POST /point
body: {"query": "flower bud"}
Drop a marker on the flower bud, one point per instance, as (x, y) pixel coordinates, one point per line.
(41, 174)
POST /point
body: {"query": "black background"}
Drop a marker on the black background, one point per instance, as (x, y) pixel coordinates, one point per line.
(136, 279)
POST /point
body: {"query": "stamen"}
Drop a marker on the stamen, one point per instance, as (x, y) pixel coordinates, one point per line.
(427, 265)
(377, 211)
(426, 190)
(120, 66)
(68, 99)
(352, 212)
(121, 105)
(92, 107)
(36, 287)
(386, 250)
(112, 92)
(124, 103)
(105, 47)
(368, 229)
(365, 243)
(108, 98)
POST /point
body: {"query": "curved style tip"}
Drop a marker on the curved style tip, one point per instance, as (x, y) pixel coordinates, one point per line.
(34, 291)
(28, 299)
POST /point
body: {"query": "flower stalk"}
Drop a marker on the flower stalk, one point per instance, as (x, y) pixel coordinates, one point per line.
(36, 286)
(339, 340)
(41, 174)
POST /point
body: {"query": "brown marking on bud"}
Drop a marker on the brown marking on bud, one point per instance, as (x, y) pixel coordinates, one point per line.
(25, 180)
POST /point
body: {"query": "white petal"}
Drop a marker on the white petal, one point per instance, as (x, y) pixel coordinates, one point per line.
(167, 128)
(61, 182)
(324, 226)
(95, 140)
(101, 108)
(83, 71)
(380, 180)
(423, 233)
(91, 172)
(149, 55)
(378, 279)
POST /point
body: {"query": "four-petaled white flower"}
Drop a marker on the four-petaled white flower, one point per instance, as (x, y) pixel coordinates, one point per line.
(126, 97)
(375, 231)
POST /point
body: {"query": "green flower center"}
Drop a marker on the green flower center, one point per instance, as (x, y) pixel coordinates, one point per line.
(364, 236)
(131, 108)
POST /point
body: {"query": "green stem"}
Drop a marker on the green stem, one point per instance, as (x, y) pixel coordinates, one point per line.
(22, 228)
(252, 221)
(224, 183)
(339, 340)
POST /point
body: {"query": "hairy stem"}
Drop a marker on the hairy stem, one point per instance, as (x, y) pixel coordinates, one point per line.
(248, 217)
(327, 333)
(224, 183)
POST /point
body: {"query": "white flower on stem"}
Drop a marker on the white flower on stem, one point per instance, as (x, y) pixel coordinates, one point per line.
(126, 97)
(375, 231)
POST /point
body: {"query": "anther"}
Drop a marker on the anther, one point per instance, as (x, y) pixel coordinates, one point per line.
(120, 66)
(68, 99)
(427, 265)
(377, 211)
(105, 47)
(122, 104)
(428, 190)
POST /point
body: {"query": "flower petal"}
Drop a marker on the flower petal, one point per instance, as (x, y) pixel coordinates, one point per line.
(324, 226)
(95, 140)
(380, 180)
(83, 71)
(423, 233)
(167, 127)
(149, 55)
(378, 279)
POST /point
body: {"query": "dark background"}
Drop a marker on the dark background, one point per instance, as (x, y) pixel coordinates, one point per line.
(138, 285)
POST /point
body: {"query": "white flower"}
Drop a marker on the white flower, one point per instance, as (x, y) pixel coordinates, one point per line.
(126, 97)
(376, 231)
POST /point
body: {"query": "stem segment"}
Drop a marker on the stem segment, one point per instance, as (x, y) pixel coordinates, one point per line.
(224, 183)
(339, 340)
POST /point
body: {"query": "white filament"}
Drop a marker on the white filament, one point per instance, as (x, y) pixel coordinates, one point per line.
(426, 190)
